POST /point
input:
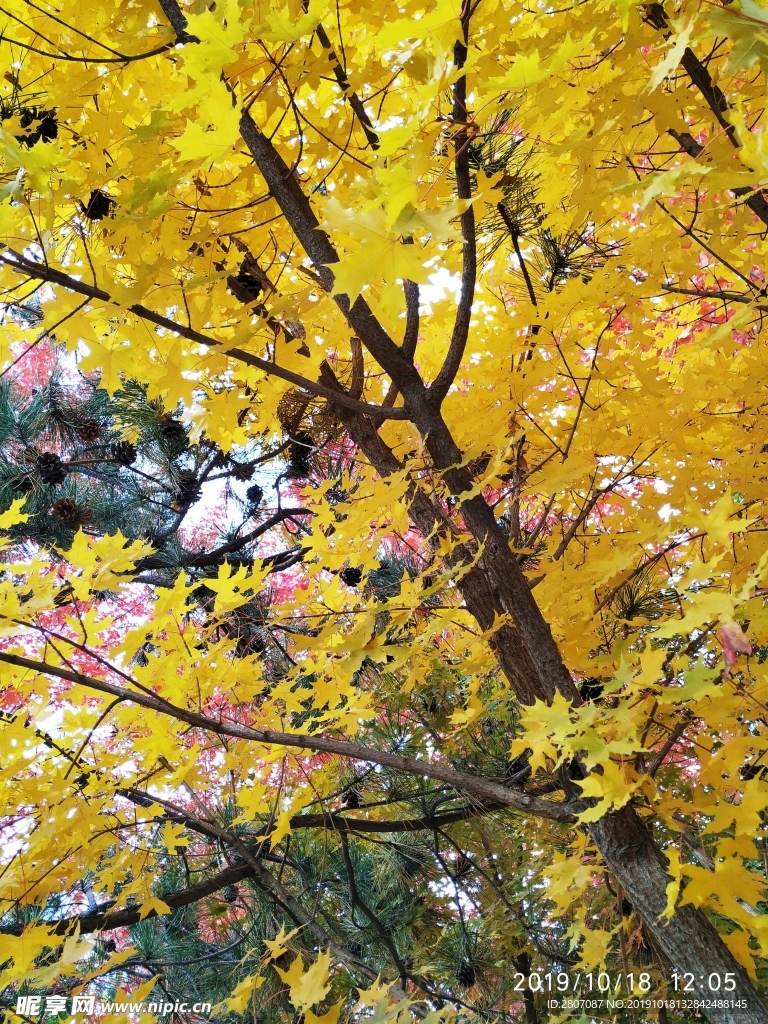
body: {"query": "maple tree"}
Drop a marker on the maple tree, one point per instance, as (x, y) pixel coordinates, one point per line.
(501, 268)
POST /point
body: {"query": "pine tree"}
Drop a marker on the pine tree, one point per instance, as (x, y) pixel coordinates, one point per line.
(81, 459)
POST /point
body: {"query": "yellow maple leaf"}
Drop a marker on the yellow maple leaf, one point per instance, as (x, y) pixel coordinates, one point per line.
(612, 789)
(73, 951)
(241, 995)
(279, 944)
(153, 904)
(13, 515)
(199, 144)
(281, 827)
(282, 27)
(173, 837)
(307, 986)
(329, 1017)
(231, 583)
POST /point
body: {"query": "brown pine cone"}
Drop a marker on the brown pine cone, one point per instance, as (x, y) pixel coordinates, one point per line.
(229, 893)
(51, 469)
(352, 575)
(89, 430)
(465, 974)
(188, 490)
(123, 452)
(254, 494)
(70, 513)
(100, 205)
(171, 430)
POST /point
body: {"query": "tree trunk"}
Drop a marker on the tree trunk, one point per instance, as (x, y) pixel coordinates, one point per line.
(688, 939)
(498, 584)
(531, 662)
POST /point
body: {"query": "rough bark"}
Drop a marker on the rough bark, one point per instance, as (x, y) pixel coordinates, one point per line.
(688, 940)
(479, 599)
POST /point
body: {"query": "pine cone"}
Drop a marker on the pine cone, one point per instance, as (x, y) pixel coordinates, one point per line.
(229, 893)
(300, 452)
(188, 490)
(171, 430)
(254, 494)
(70, 513)
(351, 575)
(465, 974)
(242, 470)
(123, 452)
(351, 798)
(140, 658)
(245, 287)
(51, 469)
(89, 430)
(100, 205)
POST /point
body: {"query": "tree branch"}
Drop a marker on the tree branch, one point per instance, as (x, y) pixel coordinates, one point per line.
(411, 335)
(715, 99)
(355, 900)
(41, 272)
(349, 94)
(297, 210)
(723, 294)
(104, 919)
(480, 599)
(173, 13)
(483, 789)
(447, 374)
(152, 562)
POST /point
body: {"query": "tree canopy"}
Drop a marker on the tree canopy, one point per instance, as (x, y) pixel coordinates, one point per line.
(383, 488)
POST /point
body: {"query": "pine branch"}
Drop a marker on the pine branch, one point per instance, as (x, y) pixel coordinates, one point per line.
(357, 901)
